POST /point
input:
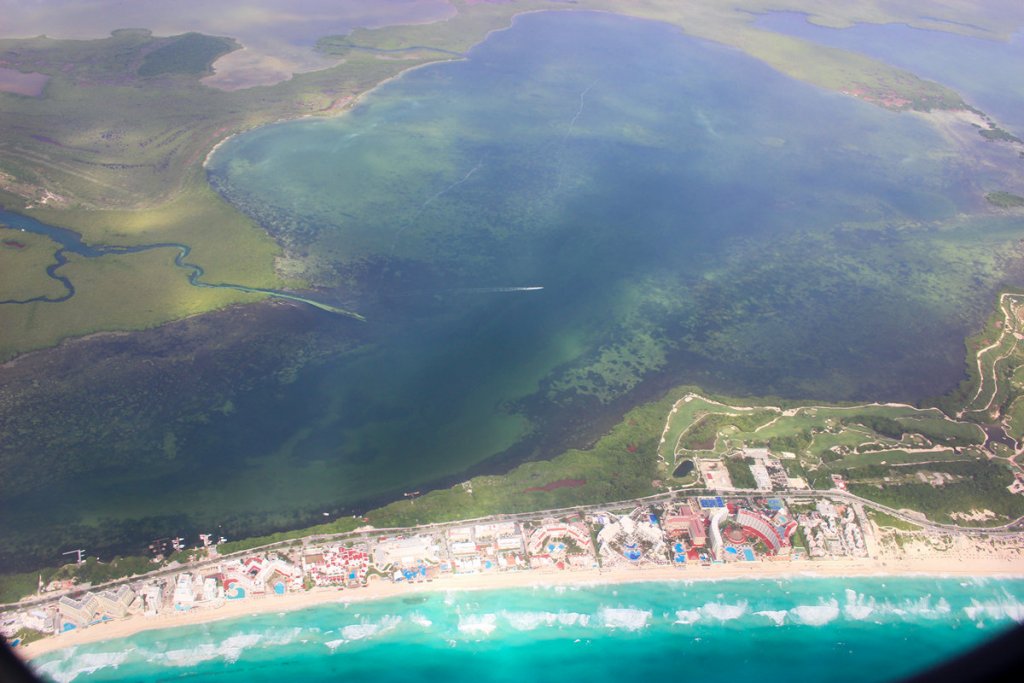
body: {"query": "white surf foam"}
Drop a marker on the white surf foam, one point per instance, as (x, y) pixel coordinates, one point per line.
(528, 621)
(858, 607)
(816, 615)
(359, 631)
(70, 668)
(628, 618)
(687, 616)
(776, 616)
(723, 611)
(478, 624)
(368, 629)
(230, 649)
(420, 620)
(997, 610)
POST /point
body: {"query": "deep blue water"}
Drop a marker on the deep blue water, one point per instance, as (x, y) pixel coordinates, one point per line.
(861, 630)
(986, 72)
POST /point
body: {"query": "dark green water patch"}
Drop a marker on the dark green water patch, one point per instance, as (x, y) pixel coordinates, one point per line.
(690, 215)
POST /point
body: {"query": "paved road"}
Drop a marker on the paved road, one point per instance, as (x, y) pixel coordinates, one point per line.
(370, 536)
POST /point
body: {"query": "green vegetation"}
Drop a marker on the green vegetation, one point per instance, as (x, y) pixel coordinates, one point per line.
(970, 487)
(28, 635)
(997, 133)
(338, 526)
(888, 521)
(24, 258)
(113, 136)
(94, 572)
(123, 156)
(118, 157)
(112, 293)
(739, 473)
(13, 587)
(190, 54)
(1005, 200)
(1015, 418)
(880, 424)
(623, 464)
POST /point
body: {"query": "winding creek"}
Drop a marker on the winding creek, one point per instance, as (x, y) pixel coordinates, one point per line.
(71, 242)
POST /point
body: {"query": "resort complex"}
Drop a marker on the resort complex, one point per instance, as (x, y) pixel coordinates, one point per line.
(691, 536)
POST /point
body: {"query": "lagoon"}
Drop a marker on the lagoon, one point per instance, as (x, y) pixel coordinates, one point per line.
(985, 71)
(586, 211)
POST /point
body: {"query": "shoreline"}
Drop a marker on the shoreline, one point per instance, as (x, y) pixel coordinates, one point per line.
(937, 567)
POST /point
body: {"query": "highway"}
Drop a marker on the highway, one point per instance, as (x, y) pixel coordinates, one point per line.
(370, 536)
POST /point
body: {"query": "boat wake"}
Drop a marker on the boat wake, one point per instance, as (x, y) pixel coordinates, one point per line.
(495, 290)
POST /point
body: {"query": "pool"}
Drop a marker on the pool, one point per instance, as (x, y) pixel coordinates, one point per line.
(748, 554)
(731, 550)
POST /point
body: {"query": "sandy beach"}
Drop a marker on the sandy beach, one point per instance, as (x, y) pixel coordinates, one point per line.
(994, 567)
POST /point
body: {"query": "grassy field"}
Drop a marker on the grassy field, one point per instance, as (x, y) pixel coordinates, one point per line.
(903, 456)
(888, 521)
(114, 292)
(24, 259)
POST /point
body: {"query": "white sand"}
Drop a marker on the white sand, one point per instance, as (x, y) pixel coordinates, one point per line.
(996, 566)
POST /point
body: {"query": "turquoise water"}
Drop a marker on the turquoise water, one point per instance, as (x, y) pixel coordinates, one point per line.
(801, 629)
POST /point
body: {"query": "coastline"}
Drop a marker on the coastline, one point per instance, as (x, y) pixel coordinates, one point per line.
(937, 566)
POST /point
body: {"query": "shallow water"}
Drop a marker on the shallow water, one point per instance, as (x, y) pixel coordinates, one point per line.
(986, 72)
(588, 210)
(690, 215)
(798, 629)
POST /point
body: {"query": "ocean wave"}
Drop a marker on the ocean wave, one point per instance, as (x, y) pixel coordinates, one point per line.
(478, 624)
(230, 649)
(628, 618)
(528, 621)
(368, 629)
(282, 637)
(71, 667)
(776, 616)
(420, 620)
(996, 610)
(687, 616)
(723, 611)
(816, 615)
(359, 631)
(335, 644)
(859, 607)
